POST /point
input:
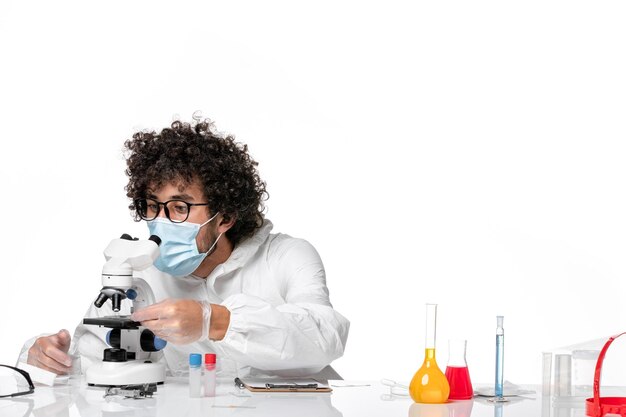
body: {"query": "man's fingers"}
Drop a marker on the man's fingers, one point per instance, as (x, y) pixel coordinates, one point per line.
(57, 355)
(154, 325)
(49, 364)
(143, 315)
(60, 340)
(160, 328)
(47, 353)
(149, 313)
(64, 338)
(41, 365)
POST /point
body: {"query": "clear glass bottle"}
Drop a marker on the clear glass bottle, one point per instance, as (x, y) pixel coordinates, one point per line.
(429, 385)
(457, 371)
(195, 375)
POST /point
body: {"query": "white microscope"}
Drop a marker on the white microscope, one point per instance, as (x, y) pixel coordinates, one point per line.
(129, 360)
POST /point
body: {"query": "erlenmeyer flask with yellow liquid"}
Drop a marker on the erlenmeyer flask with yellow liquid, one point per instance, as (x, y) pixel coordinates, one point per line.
(430, 385)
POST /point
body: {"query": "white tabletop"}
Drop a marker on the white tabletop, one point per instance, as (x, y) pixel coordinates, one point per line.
(363, 399)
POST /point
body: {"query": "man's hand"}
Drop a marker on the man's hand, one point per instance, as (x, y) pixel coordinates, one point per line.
(183, 321)
(177, 321)
(50, 353)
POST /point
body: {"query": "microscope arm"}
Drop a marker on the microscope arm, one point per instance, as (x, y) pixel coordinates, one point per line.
(144, 297)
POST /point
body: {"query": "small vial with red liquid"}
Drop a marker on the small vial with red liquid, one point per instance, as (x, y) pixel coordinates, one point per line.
(209, 374)
(457, 372)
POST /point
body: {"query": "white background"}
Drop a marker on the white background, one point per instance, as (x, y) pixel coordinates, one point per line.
(465, 153)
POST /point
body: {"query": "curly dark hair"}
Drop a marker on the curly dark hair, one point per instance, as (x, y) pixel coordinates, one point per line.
(185, 153)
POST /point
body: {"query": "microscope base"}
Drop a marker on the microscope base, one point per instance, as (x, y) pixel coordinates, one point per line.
(116, 374)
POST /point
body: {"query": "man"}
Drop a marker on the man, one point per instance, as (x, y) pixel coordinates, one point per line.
(223, 282)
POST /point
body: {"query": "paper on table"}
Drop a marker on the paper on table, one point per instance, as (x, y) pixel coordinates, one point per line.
(284, 385)
(508, 390)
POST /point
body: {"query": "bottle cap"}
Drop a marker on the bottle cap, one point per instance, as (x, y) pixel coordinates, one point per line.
(209, 358)
(195, 359)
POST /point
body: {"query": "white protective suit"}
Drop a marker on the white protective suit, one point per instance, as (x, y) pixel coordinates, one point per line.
(281, 322)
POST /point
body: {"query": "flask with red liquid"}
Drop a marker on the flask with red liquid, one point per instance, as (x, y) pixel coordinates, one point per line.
(457, 372)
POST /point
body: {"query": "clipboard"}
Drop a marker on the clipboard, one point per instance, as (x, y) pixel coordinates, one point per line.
(282, 385)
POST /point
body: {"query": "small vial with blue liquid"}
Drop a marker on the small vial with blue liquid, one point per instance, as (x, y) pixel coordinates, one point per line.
(499, 386)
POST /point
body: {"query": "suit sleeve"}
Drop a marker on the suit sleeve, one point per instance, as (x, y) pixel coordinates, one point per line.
(302, 335)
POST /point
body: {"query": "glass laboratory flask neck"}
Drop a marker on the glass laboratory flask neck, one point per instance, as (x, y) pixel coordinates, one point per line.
(429, 384)
(431, 326)
(457, 371)
(500, 325)
(457, 352)
(429, 356)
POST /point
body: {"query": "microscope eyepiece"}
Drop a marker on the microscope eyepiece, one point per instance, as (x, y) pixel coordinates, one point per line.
(126, 236)
(155, 239)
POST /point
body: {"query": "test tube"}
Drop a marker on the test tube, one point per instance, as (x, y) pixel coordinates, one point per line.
(195, 375)
(563, 375)
(209, 374)
(499, 388)
(547, 374)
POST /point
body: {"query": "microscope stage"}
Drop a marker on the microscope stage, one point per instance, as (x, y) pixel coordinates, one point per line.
(113, 322)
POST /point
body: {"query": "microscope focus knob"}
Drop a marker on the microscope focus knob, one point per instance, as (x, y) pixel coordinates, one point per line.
(159, 343)
(150, 342)
(114, 355)
(114, 338)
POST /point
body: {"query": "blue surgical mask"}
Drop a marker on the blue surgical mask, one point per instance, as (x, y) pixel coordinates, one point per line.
(179, 252)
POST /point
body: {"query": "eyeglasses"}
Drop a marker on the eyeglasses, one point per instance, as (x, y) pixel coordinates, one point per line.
(177, 211)
(11, 389)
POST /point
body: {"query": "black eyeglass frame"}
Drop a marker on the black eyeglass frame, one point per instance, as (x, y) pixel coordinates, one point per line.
(136, 204)
(31, 386)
